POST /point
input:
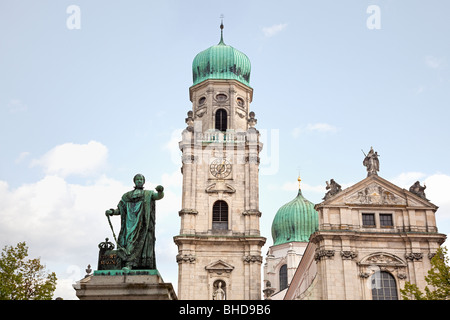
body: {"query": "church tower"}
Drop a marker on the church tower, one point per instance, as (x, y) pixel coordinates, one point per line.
(219, 245)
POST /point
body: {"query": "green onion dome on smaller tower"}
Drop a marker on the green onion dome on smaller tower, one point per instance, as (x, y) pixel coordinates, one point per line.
(221, 62)
(295, 221)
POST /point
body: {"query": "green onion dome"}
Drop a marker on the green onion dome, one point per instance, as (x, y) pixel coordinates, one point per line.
(221, 62)
(295, 221)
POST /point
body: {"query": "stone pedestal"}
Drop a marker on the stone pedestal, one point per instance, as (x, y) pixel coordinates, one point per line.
(124, 285)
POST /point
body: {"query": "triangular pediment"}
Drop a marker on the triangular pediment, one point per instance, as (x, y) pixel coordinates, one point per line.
(219, 266)
(376, 191)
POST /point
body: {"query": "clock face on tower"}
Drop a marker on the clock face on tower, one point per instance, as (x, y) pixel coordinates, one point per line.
(220, 168)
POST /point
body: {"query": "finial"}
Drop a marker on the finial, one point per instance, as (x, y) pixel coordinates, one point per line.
(88, 271)
(299, 182)
(221, 29)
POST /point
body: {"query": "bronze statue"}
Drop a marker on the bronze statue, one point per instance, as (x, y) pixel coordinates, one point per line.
(136, 242)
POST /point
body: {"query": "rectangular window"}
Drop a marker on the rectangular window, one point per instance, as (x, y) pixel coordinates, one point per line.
(386, 220)
(368, 220)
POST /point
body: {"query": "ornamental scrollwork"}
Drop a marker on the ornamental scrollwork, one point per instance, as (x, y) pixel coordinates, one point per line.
(252, 212)
(364, 275)
(253, 258)
(187, 211)
(323, 254)
(402, 276)
(414, 256)
(186, 258)
(348, 255)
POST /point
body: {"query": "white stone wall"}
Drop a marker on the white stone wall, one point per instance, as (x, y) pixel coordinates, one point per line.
(288, 254)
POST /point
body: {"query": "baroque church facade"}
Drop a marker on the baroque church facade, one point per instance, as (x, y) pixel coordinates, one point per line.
(370, 239)
(363, 242)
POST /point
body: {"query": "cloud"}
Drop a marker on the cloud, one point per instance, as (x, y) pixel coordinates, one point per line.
(420, 89)
(174, 179)
(314, 128)
(433, 62)
(407, 179)
(22, 156)
(321, 127)
(173, 147)
(437, 191)
(16, 106)
(273, 30)
(63, 222)
(73, 159)
(54, 215)
(437, 185)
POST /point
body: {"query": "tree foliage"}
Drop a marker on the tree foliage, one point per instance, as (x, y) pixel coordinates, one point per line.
(22, 279)
(438, 280)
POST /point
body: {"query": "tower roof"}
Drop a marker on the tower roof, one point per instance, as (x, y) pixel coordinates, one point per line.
(295, 221)
(221, 62)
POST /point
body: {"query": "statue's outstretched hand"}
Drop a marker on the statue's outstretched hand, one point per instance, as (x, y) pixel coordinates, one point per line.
(109, 212)
(159, 188)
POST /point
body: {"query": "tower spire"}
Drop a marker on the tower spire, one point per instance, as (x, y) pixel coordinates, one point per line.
(221, 29)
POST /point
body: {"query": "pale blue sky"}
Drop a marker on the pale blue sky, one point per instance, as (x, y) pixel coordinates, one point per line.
(82, 111)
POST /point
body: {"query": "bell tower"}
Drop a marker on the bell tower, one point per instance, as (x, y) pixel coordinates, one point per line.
(219, 245)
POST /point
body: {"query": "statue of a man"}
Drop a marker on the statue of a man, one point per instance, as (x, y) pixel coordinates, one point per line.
(418, 190)
(333, 187)
(136, 242)
(371, 162)
(219, 293)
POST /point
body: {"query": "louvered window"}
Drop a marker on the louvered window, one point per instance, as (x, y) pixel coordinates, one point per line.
(220, 215)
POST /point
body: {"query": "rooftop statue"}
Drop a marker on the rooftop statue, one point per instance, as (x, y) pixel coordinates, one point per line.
(371, 162)
(333, 188)
(418, 190)
(136, 242)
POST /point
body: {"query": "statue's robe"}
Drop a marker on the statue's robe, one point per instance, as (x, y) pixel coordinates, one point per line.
(136, 242)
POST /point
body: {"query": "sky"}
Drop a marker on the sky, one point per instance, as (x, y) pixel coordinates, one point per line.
(93, 92)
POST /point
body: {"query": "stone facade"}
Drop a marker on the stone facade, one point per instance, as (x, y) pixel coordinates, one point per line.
(220, 165)
(286, 254)
(124, 287)
(370, 228)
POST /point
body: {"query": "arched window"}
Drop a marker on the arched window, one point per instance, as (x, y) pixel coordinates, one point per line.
(221, 120)
(283, 277)
(383, 286)
(220, 215)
